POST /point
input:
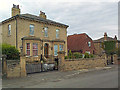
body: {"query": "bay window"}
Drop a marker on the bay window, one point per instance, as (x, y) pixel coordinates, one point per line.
(35, 49)
(28, 49)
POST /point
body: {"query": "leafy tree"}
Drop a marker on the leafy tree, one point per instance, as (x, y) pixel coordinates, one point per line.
(109, 47)
(10, 51)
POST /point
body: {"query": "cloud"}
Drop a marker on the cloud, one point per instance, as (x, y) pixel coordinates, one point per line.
(93, 18)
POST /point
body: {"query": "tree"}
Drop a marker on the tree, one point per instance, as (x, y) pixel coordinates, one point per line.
(109, 47)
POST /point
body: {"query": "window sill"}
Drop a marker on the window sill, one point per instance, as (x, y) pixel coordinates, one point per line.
(31, 35)
(35, 56)
(9, 35)
(46, 36)
(28, 56)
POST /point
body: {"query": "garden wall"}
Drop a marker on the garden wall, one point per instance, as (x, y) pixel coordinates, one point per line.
(83, 64)
(76, 64)
(13, 68)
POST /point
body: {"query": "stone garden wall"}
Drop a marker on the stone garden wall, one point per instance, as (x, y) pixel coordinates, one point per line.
(77, 64)
(13, 68)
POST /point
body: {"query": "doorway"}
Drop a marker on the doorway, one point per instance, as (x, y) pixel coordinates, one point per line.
(46, 47)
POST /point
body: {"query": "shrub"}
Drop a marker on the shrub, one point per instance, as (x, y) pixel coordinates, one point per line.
(86, 55)
(77, 55)
(66, 57)
(91, 55)
(10, 51)
(70, 54)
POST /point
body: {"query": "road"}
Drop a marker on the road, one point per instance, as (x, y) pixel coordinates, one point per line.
(105, 78)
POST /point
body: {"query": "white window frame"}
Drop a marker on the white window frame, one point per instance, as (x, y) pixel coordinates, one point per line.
(35, 49)
(27, 49)
(31, 27)
(45, 31)
(9, 29)
(55, 51)
(61, 45)
(57, 33)
(89, 44)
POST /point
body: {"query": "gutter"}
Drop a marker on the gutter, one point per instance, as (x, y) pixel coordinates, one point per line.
(16, 33)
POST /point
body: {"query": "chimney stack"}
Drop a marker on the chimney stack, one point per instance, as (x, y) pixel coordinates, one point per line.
(115, 37)
(42, 15)
(105, 36)
(15, 10)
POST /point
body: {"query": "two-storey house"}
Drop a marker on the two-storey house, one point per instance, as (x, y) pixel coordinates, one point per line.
(37, 35)
(81, 43)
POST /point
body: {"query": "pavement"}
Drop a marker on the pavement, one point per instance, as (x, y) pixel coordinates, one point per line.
(68, 79)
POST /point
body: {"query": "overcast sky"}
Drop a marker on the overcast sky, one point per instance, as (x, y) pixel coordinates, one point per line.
(93, 17)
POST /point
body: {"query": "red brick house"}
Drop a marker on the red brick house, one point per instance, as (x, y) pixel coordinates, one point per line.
(80, 43)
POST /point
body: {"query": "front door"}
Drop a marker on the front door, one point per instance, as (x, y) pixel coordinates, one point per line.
(46, 50)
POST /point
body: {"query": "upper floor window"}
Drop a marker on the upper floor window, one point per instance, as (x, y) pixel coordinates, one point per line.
(46, 31)
(57, 33)
(89, 44)
(9, 29)
(28, 49)
(60, 47)
(55, 50)
(31, 29)
(35, 49)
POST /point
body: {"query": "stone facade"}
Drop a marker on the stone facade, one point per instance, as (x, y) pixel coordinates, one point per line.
(20, 28)
(98, 43)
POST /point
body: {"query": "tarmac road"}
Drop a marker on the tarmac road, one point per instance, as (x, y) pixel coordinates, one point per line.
(105, 78)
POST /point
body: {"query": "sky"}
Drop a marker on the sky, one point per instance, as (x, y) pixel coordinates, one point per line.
(93, 17)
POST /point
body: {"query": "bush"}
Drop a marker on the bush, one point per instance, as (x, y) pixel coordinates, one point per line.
(77, 55)
(86, 55)
(10, 51)
(66, 57)
(91, 56)
(70, 54)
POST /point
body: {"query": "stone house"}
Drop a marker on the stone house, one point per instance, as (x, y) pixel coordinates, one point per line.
(80, 43)
(36, 35)
(98, 43)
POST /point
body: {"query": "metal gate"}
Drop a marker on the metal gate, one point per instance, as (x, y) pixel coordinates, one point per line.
(33, 68)
(38, 67)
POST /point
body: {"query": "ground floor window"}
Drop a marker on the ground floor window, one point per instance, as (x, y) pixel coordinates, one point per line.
(35, 49)
(55, 50)
(28, 49)
(61, 47)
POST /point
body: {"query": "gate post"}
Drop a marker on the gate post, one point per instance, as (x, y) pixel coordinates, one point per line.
(23, 65)
(61, 60)
(4, 65)
(115, 59)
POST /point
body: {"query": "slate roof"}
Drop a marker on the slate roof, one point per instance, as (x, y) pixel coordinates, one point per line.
(36, 18)
(79, 42)
(102, 39)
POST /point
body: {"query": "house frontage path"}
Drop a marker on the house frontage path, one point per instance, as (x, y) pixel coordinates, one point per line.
(106, 77)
